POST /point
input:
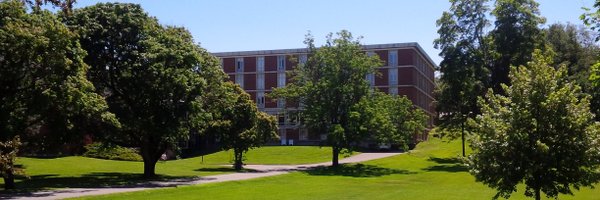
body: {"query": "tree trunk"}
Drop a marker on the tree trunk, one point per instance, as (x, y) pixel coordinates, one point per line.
(237, 163)
(149, 167)
(335, 159)
(150, 155)
(537, 194)
(463, 138)
(9, 180)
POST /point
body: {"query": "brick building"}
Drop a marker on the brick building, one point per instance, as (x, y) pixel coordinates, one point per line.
(407, 70)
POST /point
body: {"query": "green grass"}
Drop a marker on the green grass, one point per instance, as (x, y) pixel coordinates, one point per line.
(273, 155)
(82, 172)
(432, 171)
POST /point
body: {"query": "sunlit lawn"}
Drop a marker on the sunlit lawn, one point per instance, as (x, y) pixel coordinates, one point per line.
(432, 171)
(77, 172)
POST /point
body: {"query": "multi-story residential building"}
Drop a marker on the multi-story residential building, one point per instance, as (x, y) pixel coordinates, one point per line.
(407, 70)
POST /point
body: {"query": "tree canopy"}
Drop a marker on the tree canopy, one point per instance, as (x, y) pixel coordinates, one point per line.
(239, 125)
(515, 36)
(150, 75)
(464, 69)
(386, 119)
(46, 98)
(541, 133)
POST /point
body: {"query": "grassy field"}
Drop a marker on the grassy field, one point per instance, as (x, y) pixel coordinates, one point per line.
(432, 171)
(82, 172)
(274, 155)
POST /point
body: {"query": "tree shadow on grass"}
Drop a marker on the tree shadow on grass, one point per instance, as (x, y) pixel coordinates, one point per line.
(223, 169)
(452, 160)
(92, 180)
(355, 170)
(446, 165)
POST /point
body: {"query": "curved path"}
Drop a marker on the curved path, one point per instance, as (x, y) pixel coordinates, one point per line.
(261, 171)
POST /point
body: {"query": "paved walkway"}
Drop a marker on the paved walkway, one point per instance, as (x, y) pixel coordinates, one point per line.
(261, 171)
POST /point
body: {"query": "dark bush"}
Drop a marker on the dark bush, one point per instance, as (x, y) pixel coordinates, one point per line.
(111, 152)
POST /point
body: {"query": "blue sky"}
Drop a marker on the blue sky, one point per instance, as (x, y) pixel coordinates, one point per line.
(228, 25)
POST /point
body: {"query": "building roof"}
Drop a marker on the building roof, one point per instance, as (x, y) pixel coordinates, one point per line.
(305, 50)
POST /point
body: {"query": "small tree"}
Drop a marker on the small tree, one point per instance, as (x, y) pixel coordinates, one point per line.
(387, 119)
(541, 133)
(328, 85)
(8, 154)
(466, 55)
(239, 125)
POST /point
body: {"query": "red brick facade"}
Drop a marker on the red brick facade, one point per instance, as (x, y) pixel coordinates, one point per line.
(412, 76)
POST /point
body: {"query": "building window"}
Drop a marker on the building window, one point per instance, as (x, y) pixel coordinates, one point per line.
(370, 53)
(260, 64)
(280, 103)
(222, 63)
(281, 63)
(239, 79)
(303, 134)
(260, 81)
(280, 80)
(393, 76)
(281, 119)
(301, 102)
(303, 58)
(260, 99)
(393, 58)
(371, 79)
(393, 91)
(239, 64)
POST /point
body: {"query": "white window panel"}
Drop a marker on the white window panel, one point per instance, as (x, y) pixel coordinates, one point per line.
(371, 79)
(281, 63)
(260, 99)
(280, 80)
(303, 134)
(260, 81)
(280, 103)
(393, 91)
(239, 64)
(393, 58)
(393, 76)
(260, 64)
(303, 58)
(239, 79)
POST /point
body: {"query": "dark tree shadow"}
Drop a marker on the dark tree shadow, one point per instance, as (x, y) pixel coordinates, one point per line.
(91, 180)
(224, 169)
(437, 160)
(355, 170)
(447, 168)
(447, 165)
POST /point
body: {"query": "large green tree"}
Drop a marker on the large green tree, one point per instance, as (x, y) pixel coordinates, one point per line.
(329, 84)
(465, 51)
(592, 19)
(595, 89)
(515, 36)
(239, 125)
(577, 49)
(151, 75)
(541, 133)
(46, 98)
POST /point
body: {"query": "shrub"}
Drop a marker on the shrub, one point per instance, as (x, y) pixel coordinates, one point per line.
(111, 152)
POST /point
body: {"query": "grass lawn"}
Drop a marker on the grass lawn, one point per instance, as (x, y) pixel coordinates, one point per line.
(82, 172)
(432, 171)
(271, 155)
